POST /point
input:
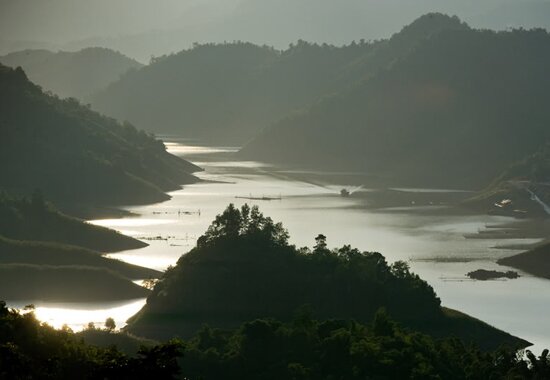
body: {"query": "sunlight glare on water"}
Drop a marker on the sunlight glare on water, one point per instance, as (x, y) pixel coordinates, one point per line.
(77, 315)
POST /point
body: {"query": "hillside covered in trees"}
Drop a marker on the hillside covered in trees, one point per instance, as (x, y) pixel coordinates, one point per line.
(243, 268)
(226, 93)
(75, 155)
(453, 112)
(76, 74)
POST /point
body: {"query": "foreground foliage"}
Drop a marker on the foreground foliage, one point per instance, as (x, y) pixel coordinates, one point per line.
(303, 348)
(30, 350)
(332, 349)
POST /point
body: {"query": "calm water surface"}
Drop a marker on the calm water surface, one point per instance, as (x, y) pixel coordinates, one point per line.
(308, 208)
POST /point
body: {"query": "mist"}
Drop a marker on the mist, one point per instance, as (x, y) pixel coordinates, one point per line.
(141, 29)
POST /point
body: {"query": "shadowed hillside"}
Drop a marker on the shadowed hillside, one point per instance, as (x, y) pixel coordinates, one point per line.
(453, 112)
(226, 93)
(34, 220)
(76, 155)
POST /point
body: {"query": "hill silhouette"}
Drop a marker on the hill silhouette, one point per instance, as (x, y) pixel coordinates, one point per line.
(76, 155)
(453, 112)
(226, 93)
(76, 74)
(32, 219)
(243, 268)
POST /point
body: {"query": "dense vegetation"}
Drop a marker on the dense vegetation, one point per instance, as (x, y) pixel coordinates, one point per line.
(30, 350)
(76, 155)
(72, 74)
(303, 348)
(243, 268)
(453, 112)
(228, 92)
(334, 349)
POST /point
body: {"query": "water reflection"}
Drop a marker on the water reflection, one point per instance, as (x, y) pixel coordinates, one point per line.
(78, 315)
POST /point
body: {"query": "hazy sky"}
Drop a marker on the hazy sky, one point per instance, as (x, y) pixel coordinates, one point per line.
(144, 27)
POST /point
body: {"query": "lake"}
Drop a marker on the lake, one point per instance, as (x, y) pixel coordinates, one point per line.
(434, 243)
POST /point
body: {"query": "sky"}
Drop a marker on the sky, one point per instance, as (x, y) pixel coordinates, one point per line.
(145, 28)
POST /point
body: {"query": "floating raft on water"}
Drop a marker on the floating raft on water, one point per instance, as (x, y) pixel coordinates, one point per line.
(264, 198)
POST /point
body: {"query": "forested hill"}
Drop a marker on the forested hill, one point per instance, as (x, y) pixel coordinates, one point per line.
(455, 111)
(243, 268)
(228, 92)
(76, 74)
(74, 154)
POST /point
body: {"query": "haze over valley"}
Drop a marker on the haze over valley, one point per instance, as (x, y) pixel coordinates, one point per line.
(274, 189)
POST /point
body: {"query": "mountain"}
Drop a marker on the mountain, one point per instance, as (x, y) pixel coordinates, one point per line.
(452, 112)
(175, 25)
(243, 268)
(75, 155)
(72, 74)
(226, 93)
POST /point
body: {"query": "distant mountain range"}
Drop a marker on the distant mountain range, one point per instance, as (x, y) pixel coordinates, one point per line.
(76, 74)
(453, 112)
(157, 30)
(227, 93)
(75, 155)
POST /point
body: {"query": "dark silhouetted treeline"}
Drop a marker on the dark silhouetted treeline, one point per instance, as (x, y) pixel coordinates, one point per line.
(244, 268)
(308, 349)
(31, 350)
(76, 155)
(262, 349)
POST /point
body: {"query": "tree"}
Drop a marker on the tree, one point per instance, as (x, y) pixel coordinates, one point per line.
(320, 244)
(110, 324)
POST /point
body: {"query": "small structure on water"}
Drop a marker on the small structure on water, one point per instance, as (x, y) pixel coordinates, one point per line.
(345, 193)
